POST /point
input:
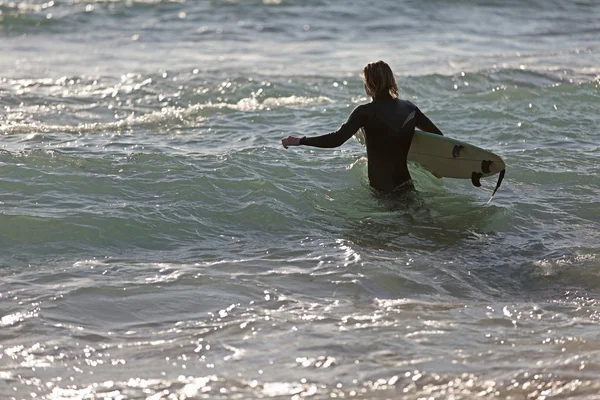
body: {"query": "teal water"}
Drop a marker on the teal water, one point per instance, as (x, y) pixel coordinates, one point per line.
(157, 242)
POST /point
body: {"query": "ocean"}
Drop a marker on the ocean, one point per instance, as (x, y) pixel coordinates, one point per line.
(157, 242)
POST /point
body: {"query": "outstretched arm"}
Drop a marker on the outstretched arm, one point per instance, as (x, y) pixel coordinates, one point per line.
(425, 124)
(333, 139)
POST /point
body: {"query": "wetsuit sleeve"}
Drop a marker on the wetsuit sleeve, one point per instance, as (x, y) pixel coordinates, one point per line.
(337, 138)
(425, 124)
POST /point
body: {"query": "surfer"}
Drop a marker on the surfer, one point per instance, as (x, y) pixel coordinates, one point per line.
(389, 124)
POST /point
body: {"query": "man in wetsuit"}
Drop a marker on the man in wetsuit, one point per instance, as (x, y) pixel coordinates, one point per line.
(389, 124)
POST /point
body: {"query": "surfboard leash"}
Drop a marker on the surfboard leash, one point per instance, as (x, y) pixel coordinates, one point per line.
(500, 178)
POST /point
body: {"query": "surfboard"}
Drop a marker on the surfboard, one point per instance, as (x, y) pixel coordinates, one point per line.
(451, 158)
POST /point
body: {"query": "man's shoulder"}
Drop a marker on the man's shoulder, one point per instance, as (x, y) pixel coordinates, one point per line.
(361, 109)
(406, 102)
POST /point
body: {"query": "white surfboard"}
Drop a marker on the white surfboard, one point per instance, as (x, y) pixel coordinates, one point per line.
(451, 158)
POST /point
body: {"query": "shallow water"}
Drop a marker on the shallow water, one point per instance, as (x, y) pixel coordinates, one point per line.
(157, 242)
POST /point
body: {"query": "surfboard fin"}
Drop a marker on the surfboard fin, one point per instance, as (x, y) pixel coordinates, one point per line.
(485, 166)
(475, 177)
(456, 150)
(497, 184)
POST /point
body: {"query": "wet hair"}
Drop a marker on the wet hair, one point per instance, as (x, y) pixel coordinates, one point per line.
(379, 79)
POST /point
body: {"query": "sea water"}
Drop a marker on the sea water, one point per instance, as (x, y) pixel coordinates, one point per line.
(157, 242)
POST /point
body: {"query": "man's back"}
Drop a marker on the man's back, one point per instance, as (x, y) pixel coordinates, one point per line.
(389, 125)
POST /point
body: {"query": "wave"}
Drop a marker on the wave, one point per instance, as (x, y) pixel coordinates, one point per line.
(187, 98)
(167, 116)
(62, 16)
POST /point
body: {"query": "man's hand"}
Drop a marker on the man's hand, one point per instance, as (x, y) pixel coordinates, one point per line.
(290, 141)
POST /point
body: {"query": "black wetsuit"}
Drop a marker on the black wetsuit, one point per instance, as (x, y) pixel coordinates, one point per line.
(389, 125)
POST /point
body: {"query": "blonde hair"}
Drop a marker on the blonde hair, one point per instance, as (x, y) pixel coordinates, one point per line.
(379, 79)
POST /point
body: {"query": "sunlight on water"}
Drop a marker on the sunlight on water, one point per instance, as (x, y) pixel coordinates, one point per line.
(157, 242)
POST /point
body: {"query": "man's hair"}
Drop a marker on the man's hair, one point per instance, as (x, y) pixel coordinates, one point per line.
(379, 79)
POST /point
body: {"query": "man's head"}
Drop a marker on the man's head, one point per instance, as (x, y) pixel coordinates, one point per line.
(379, 79)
